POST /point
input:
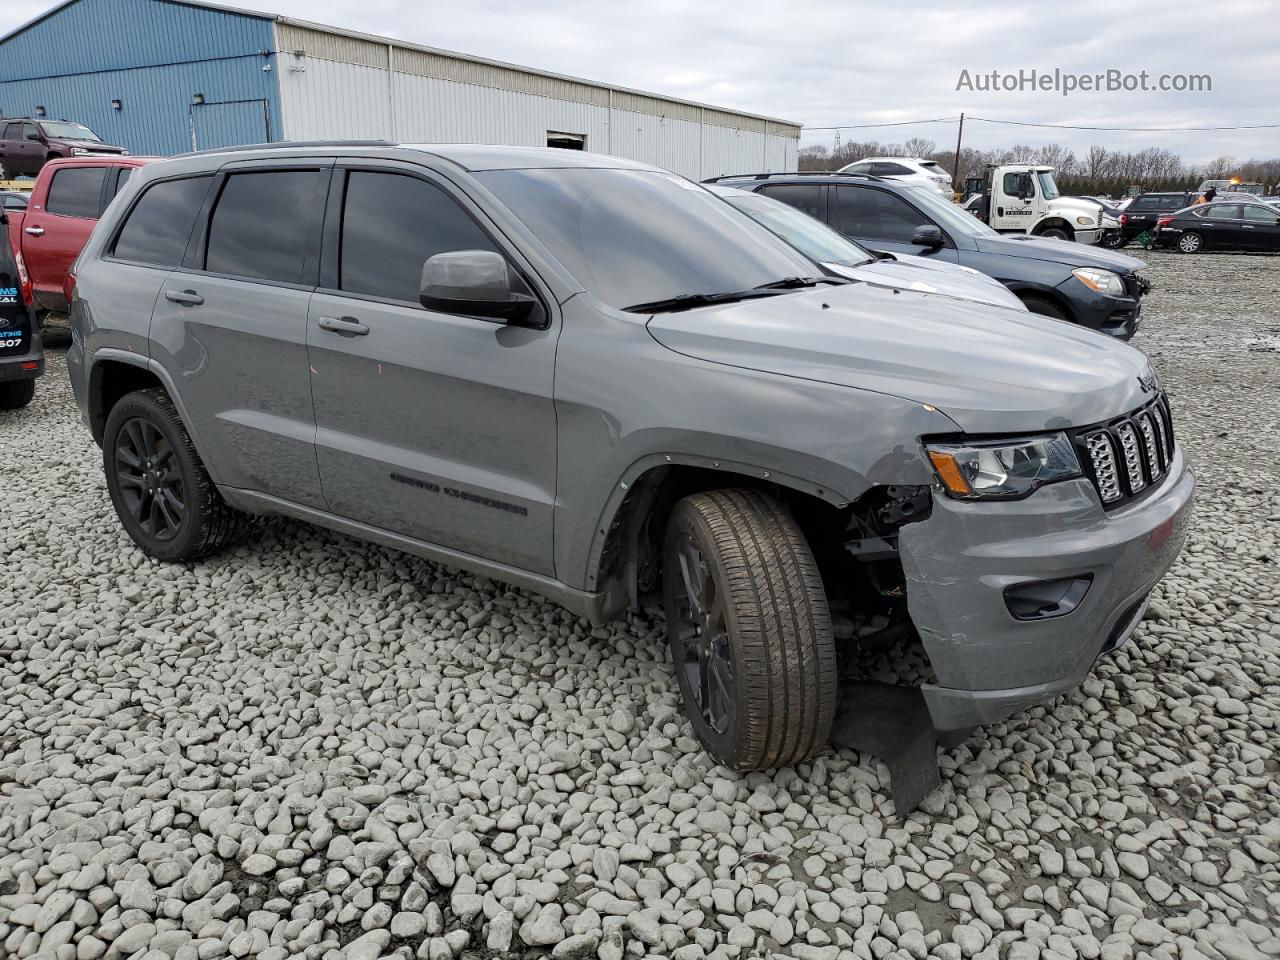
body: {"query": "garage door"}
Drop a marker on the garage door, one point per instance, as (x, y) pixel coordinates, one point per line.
(229, 124)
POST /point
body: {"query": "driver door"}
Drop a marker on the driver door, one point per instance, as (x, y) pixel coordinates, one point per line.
(1010, 211)
(429, 425)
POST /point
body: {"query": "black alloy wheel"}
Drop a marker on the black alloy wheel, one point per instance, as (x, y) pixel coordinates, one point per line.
(700, 638)
(150, 481)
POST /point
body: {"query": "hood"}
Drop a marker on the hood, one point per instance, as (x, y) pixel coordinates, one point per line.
(97, 146)
(1075, 205)
(990, 370)
(932, 276)
(1059, 251)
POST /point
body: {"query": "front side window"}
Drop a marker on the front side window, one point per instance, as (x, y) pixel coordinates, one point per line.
(805, 197)
(634, 237)
(1017, 183)
(262, 223)
(875, 215)
(76, 192)
(392, 223)
(29, 132)
(860, 168)
(159, 225)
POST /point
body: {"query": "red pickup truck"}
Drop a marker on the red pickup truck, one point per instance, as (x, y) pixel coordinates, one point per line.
(66, 202)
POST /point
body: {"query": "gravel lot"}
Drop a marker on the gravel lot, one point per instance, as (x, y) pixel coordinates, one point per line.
(313, 747)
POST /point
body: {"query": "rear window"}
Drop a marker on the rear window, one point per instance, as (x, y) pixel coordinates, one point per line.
(159, 225)
(76, 192)
(1158, 203)
(262, 224)
(929, 165)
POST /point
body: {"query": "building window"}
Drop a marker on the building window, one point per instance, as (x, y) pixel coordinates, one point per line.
(566, 141)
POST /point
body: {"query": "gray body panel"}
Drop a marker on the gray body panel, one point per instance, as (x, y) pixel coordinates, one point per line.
(509, 450)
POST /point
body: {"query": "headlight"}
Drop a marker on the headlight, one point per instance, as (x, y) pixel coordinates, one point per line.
(1084, 221)
(1103, 281)
(78, 151)
(1003, 469)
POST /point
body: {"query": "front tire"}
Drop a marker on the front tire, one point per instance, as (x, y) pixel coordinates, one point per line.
(749, 629)
(162, 493)
(16, 394)
(1190, 242)
(1057, 233)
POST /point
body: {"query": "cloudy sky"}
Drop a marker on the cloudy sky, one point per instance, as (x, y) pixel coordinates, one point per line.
(832, 63)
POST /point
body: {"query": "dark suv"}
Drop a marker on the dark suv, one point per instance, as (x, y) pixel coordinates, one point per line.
(1144, 210)
(26, 145)
(1095, 288)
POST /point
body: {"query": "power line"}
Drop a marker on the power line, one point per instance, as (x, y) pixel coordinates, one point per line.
(1051, 126)
(900, 123)
(1069, 126)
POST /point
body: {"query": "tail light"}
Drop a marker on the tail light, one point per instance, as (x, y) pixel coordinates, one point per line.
(69, 287)
(24, 278)
(1162, 222)
(1124, 219)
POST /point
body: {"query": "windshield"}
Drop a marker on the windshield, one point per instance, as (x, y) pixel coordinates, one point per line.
(635, 236)
(948, 215)
(1047, 185)
(69, 131)
(814, 239)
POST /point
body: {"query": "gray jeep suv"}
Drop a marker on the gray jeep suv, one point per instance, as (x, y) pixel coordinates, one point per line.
(597, 380)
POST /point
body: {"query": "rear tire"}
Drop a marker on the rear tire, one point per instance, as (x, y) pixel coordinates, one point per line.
(749, 629)
(1190, 242)
(162, 493)
(16, 394)
(1046, 308)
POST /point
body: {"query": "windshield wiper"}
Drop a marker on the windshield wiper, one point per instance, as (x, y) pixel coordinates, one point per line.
(687, 301)
(795, 283)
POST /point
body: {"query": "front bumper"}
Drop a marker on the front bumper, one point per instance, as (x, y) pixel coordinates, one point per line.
(960, 560)
(1089, 237)
(1117, 317)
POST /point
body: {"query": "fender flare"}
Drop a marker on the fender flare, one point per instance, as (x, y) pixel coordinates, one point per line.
(648, 464)
(129, 358)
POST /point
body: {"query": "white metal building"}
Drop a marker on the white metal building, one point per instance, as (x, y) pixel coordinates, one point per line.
(164, 76)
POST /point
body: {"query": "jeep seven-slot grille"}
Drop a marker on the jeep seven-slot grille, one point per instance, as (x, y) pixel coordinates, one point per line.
(1129, 455)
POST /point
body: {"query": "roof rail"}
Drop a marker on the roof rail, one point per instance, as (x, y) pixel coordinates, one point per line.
(793, 173)
(283, 144)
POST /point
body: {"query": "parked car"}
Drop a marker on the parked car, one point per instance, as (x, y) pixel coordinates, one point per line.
(1221, 226)
(21, 354)
(594, 379)
(1096, 288)
(1141, 214)
(27, 145)
(68, 197)
(908, 170)
(840, 256)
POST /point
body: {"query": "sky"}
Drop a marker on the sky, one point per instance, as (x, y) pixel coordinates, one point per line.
(824, 64)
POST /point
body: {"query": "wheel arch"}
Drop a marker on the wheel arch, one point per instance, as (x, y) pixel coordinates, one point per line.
(625, 555)
(1031, 291)
(1051, 222)
(116, 373)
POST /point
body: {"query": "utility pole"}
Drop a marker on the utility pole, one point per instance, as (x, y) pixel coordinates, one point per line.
(955, 177)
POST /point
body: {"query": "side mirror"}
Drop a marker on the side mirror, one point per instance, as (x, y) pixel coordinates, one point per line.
(927, 235)
(35, 136)
(474, 283)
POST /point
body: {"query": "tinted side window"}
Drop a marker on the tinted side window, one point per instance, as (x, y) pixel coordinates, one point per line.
(802, 196)
(29, 131)
(77, 192)
(262, 223)
(891, 170)
(12, 131)
(861, 168)
(875, 214)
(1252, 212)
(159, 225)
(122, 176)
(391, 224)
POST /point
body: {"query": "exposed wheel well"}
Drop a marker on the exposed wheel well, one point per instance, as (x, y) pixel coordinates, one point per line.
(630, 566)
(1029, 294)
(109, 382)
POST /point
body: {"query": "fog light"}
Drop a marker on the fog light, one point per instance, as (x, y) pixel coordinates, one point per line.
(1046, 599)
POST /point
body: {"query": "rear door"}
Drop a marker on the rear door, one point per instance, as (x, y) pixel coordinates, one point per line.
(431, 425)
(1261, 227)
(230, 326)
(1013, 201)
(57, 224)
(882, 221)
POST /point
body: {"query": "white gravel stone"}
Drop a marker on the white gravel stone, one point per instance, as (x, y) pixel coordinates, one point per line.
(308, 738)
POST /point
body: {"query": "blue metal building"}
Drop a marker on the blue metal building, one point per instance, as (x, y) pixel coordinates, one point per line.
(150, 75)
(168, 76)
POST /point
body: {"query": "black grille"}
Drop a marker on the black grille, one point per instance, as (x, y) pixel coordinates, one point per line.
(1129, 455)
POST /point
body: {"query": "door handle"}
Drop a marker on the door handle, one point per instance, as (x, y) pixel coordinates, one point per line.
(1248, 226)
(188, 298)
(34, 231)
(346, 326)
